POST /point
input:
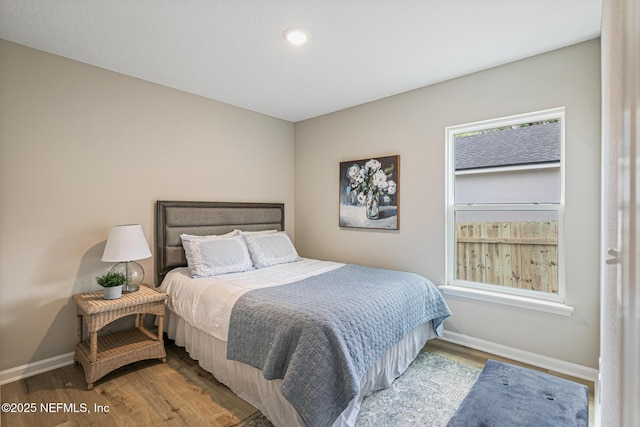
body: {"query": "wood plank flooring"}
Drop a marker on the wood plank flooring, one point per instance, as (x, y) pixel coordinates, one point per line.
(151, 393)
(146, 393)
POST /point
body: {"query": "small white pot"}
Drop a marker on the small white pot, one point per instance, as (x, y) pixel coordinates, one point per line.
(113, 292)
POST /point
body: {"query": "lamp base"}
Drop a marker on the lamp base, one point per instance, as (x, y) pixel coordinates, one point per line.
(129, 288)
(134, 274)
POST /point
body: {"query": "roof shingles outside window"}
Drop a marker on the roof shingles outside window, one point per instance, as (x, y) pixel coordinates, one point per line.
(511, 147)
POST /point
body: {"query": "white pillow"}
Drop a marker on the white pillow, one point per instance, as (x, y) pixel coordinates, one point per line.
(269, 249)
(213, 255)
(194, 237)
(249, 233)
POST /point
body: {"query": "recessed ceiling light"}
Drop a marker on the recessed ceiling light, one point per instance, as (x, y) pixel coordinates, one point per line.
(296, 36)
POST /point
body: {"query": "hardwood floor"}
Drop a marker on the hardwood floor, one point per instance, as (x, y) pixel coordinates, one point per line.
(150, 393)
(146, 393)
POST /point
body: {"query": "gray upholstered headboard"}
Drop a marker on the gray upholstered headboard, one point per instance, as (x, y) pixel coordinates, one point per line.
(174, 218)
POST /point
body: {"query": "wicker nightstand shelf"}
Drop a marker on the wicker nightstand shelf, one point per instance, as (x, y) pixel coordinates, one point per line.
(108, 353)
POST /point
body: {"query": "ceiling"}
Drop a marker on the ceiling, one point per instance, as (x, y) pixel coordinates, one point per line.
(358, 51)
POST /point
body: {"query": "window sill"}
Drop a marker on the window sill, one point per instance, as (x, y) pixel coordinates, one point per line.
(511, 300)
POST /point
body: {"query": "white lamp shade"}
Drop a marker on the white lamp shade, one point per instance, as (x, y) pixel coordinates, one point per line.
(126, 243)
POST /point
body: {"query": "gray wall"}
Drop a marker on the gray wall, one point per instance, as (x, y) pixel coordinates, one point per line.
(413, 125)
(82, 149)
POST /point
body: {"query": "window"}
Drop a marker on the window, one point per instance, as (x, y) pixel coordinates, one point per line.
(505, 189)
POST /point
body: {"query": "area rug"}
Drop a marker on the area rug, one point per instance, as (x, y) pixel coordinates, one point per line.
(427, 394)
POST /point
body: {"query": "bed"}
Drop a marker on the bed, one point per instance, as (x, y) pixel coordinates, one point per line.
(295, 337)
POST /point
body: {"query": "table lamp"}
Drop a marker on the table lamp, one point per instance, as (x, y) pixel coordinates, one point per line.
(125, 245)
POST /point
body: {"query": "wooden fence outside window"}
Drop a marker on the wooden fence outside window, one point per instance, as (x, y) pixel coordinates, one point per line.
(515, 254)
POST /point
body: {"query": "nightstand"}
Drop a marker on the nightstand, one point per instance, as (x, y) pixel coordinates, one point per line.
(102, 355)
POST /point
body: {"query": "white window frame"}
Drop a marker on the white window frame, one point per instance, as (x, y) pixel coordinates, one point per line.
(549, 302)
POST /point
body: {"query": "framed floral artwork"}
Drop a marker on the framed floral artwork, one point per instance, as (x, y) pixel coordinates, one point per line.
(369, 193)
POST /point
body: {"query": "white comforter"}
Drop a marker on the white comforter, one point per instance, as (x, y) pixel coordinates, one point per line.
(219, 293)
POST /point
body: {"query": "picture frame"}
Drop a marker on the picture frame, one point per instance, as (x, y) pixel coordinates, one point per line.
(369, 194)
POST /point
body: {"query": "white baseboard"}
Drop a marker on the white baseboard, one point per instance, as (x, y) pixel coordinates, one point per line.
(35, 368)
(545, 362)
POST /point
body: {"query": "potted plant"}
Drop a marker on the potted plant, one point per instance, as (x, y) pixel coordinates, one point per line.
(112, 283)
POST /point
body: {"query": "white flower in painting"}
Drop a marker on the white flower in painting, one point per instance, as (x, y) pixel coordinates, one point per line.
(379, 179)
(372, 165)
(362, 198)
(386, 199)
(353, 171)
(392, 187)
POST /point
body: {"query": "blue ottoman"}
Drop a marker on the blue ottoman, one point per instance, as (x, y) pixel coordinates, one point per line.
(509, 396)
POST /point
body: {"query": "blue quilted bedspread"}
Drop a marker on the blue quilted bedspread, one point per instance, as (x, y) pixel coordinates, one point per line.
(319, 335)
